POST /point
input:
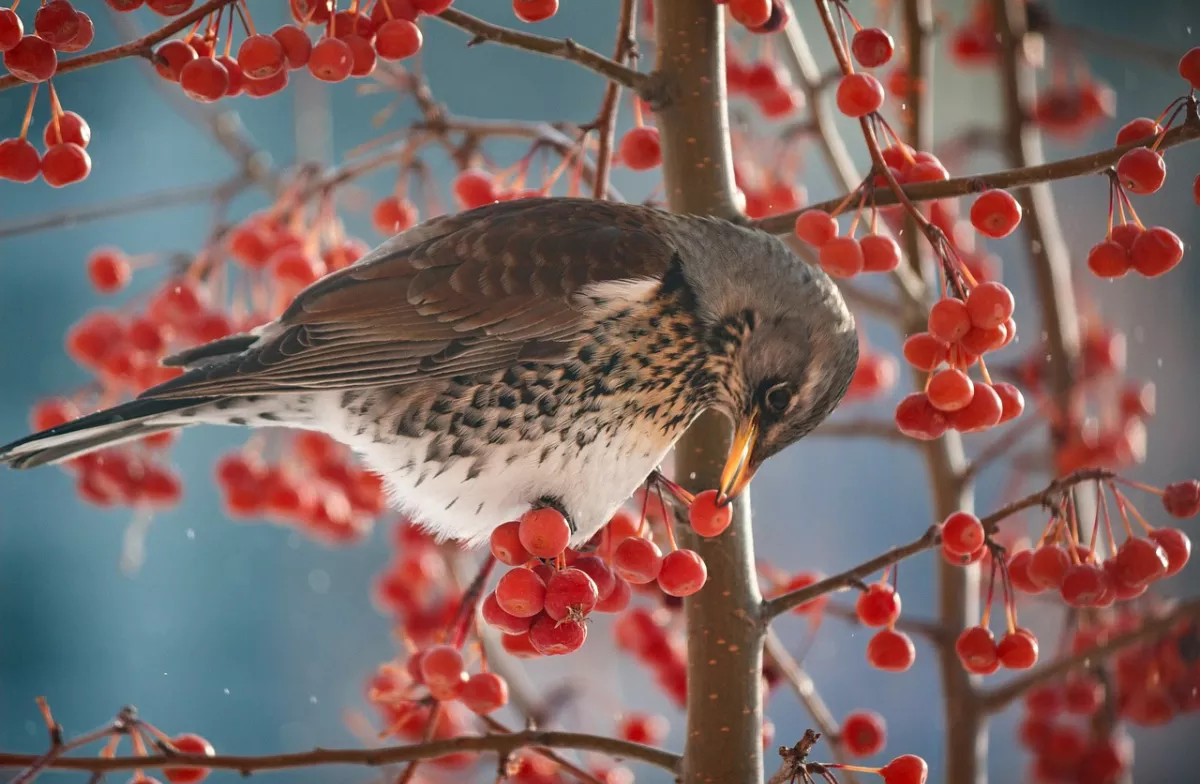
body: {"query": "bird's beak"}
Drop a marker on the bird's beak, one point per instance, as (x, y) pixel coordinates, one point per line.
(738, 470)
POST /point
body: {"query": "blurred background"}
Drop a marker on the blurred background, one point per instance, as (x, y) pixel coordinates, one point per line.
(260, 639)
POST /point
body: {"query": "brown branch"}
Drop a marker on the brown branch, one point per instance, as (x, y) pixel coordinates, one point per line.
(606, 121)
(163, 199)
(550, 754)
(923, 628)
(884, 429)
(1048, 496)
(806, 692)
(1090, 163)
(142, 47)
(563, 49)
(502, 744)
(997, 699)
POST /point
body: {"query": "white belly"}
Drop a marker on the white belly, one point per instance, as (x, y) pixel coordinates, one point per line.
(590, 481)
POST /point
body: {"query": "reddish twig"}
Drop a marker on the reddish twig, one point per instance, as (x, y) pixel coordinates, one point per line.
(502, 744)
(606, 121)
(142, 47)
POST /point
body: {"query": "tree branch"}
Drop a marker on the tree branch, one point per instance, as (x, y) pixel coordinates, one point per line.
(1091, 163)
(606, 121)
(997, 699)
(563, 49)
(502, 744)
(142, 47)
(883, 429)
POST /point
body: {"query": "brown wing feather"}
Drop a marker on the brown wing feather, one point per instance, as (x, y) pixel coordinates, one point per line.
(467, 293)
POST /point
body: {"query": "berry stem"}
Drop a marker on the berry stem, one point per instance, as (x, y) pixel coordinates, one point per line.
(28, 112)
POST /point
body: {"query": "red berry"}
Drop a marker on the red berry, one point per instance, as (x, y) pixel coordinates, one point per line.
(189, 744)
(816, 227)
(950, 390)
(506, 545)
(1156, 250)
(521, 592)
(842, 257)
(1182, 499)
(1189, 67)
(1176, 545)
(976, 649)
(331, 60)
(1142, 170)
(56, 22)
(70, 127)
(949, 320)
(109, 270)
(443, 672)
(917, 418)
(891, 651)
(52, 413)
(984, 411)
(1083, 695)
(11, 29)
(707, 517)
(1108, 259)
(296, 45)
(534, 10)
(1136, 129)
(261, 56)
(31, 60)
(19, 160)
(498, 618)
(484, 692)
(872, 47)
(863, 733)
(642, 728)
(1018, 572)
(640, 149)
(1140, 562)
(518, 646)
(1084, 585)
(544, 532)
(638, 560)
(474, 188)
(908, 769)
(294, 267)
(1125, 235)
(962, 533)
(1018, 650)
(204, 79)
(990, 305)
(924, 352)
(599, 571)
(750, 13)
(364, 55)
(64, 164)
(397, 39)
(799, 581)
(995, 214)
(617, 599)
(570, 593)
(880, 253)
(392, 215)
(171, 56)
(555, 638)
(879, 605)
(981, 340)
(683, 573)
(169, 7)
(859, 94)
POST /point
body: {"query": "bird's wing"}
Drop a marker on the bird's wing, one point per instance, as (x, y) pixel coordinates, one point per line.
(474, 292)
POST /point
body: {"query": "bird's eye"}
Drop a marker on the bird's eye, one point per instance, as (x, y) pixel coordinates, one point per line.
(777, 398)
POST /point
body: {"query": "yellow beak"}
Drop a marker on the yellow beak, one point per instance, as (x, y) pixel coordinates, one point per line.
(737, 473)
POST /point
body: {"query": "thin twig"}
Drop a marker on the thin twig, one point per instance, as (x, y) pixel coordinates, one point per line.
(920, 627)
(606, 121)
(1007, 178)
(806, 692)
(996, 699)
(884, 429)
(142, 47)
(246, 765)
(564, 48)
(550, 754)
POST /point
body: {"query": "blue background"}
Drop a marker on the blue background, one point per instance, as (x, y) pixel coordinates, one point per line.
(260, 639)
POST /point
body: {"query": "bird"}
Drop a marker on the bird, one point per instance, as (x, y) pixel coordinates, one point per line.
(535, 353)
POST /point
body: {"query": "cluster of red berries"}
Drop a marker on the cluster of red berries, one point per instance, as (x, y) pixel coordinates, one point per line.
(1084, 578)
(960, 332)
(1070, 110)
(127, 475)
(757, 16)
(1055, 727)
(765, 190)
(764, 84)
(973, 43)
(316, 486)
(846, 256)
(875, 373)
(879, 607)
(658, 646)
(57, 27)
(145, 736)
(392, 691)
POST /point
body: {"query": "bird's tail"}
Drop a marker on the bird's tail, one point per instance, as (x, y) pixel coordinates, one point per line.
(126, 422)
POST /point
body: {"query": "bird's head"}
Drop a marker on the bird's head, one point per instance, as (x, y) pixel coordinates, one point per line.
(789, 341)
